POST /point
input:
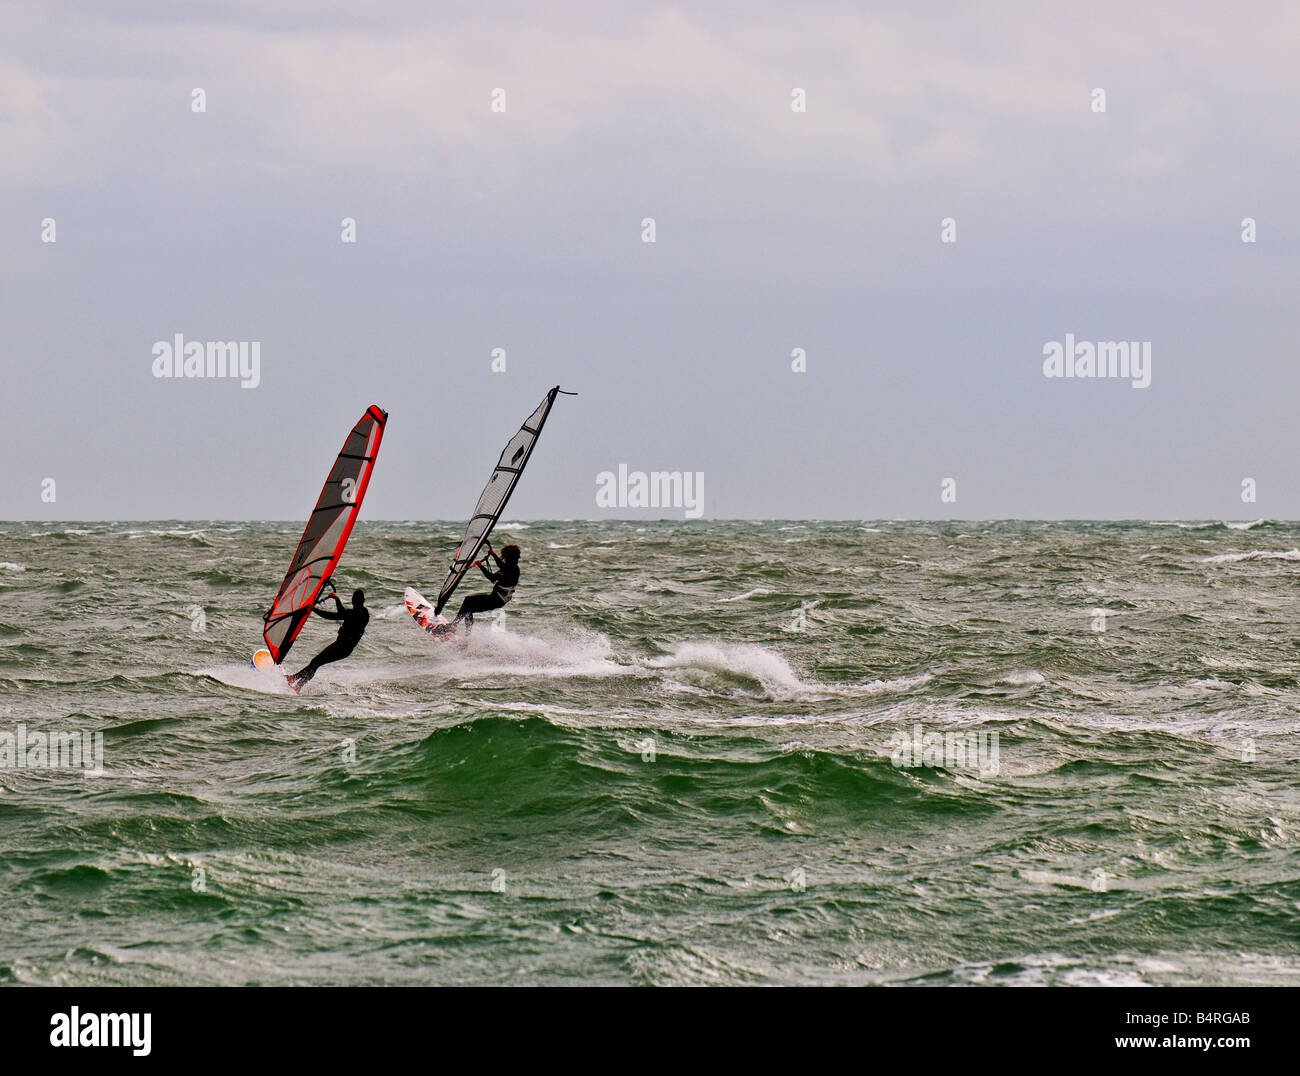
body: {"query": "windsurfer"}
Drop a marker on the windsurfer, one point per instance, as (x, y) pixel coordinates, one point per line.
(504, 580)
(350, 632)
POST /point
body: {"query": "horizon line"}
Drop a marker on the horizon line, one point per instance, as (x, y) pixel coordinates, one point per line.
(717, 519)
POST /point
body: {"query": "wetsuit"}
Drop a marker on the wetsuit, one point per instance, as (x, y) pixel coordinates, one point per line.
(350, 632)
(504, 580)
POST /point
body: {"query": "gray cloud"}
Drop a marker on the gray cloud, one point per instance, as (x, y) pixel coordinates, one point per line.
(775, 231)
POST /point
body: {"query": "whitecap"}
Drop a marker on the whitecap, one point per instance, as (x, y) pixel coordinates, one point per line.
(1254, 554)
(1020, 678)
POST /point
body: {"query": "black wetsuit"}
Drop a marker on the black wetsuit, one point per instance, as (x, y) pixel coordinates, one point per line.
(505, 579)
(350, 632)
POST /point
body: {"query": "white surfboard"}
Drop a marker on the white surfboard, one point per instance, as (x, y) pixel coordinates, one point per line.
(434, 623)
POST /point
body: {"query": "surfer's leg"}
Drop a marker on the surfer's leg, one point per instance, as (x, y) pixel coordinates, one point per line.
(475, 603)
(468, 608)
(336, 651)
(302, 676)
(465, 614)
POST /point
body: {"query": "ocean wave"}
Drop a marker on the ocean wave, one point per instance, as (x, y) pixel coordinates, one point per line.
(744, 666)
(1254, 554)
(897, 685)
(745, 661)
(534, 740)
(268, 681)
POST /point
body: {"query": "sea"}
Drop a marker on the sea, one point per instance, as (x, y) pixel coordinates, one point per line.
(688, 753)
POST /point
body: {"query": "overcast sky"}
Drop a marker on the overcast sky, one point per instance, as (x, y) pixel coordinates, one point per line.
(775, 230)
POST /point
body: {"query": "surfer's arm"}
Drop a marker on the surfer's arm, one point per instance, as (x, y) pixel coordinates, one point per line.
(488, 572)
(326, 614)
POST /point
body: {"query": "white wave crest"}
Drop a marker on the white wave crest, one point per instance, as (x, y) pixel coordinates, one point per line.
(769, 669)
(748, 594)
(1254, 554)
(268, 681)
(749, 660)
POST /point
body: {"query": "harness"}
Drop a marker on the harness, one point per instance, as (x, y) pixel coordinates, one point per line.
(501, 591)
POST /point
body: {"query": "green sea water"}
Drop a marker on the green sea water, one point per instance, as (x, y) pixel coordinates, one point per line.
(677, 759)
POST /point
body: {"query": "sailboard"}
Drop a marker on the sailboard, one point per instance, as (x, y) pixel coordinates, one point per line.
(435, 624)
(491, 504)
(325, 536)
